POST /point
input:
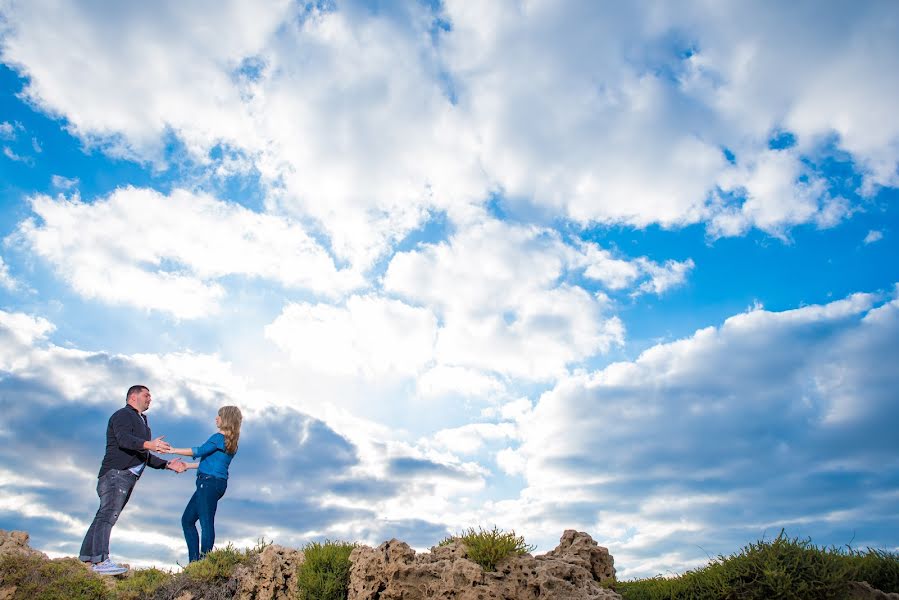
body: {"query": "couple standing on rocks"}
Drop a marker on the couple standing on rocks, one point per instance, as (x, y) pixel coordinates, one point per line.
(128, 453)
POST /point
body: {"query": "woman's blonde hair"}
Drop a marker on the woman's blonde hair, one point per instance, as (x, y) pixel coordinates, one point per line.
(230, 426)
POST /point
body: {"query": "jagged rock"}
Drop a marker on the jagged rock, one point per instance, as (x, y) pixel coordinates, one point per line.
(393, 571)
(272, 576)
(862, 590)
(16, 542)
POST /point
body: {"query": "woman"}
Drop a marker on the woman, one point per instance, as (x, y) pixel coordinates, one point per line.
(212, 480)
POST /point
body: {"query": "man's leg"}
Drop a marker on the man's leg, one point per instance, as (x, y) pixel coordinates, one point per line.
(189, 525)
(209, 491)
(114, 489)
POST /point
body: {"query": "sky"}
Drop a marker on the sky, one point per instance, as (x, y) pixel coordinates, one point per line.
(625, 268)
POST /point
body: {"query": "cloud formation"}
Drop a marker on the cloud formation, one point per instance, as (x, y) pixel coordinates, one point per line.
(141, 248)
(594, 112)
(773, 419)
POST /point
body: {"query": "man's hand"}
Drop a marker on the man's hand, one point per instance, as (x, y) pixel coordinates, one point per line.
(176, 465)
(157, 445)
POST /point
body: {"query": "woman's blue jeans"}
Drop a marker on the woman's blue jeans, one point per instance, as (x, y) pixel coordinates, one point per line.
(202, 507)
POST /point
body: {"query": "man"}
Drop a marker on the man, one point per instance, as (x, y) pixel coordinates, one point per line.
(128, 447)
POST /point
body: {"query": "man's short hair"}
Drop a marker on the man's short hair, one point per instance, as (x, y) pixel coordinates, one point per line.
(135, 389)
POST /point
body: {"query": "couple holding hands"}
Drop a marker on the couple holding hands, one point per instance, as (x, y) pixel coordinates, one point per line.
(128, 452)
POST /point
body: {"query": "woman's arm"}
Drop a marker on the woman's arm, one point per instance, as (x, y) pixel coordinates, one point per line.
(191, 465)
(181, 451)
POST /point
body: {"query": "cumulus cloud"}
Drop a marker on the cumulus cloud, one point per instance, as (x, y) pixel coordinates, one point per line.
(141, 248)
(872, 236)
(316, 478)
(606, 113)
(499, 292)
(7, 131)
(184, 81)
(618, 273)
(63, 183)
(6, 280)
(777, 192)
(369, 335)
(443, 380)
(772, 419)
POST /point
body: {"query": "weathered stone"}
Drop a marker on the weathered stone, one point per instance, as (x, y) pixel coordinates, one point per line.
(579, 548)
(862, 590)
(16, 542)
(272, 576)
(393, 571)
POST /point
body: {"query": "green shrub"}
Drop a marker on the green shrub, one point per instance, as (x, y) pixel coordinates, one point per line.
(142, 584)
(219, 564)
(325, 572)
(877, 567)
(488, 546)
(784, 568)
(36, 578)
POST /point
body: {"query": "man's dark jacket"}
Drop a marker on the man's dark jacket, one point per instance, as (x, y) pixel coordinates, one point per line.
(125, 436)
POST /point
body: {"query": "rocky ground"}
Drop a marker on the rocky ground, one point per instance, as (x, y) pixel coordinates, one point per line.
(393, 571)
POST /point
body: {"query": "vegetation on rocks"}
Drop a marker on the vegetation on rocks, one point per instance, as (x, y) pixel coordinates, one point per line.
(325, 573)
(35, 578)
(489, 546)
(784, 568)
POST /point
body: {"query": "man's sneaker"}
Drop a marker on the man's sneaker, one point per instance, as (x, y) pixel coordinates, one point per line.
(107, 567)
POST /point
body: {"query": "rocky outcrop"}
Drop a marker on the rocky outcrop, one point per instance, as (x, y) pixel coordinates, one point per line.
(16, 542)
(393, 571)
(862, 590)
(272, 576)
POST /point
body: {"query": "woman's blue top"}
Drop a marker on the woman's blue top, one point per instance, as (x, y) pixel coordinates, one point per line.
(213, 458)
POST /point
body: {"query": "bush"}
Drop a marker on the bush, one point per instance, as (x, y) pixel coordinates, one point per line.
(325, 572)
(211, 578)
(488, 547)
(142, 584)
(218, 564)
(36, 578)
(877, 567)
(785, 568)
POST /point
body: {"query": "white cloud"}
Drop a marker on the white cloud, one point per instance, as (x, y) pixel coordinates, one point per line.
(679, 444)
(140, 248)
(468, 439)
(587, 110)
(369, 335)
(499, 292)
(873, 236)
(444, 380)
(6, 280)
(619, 273)
(7, 131)
(185, 83)
(63, 183)
(12, 155)
(779, 193)
(19, 331)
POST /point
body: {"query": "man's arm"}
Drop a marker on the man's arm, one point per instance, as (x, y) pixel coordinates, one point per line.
(177, 465)
(121, 429)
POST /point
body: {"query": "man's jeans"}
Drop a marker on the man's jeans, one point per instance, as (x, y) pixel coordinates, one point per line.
(202, 506)
(114, 489)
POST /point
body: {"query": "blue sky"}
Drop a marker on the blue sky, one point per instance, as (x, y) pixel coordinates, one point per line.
(545, 265)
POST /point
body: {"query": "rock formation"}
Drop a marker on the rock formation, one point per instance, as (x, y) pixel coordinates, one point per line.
(393, 571)
(16, 542)
(273, 576)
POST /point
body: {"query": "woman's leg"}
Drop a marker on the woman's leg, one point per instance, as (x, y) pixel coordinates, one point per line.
(210, 491)
(189, 525)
